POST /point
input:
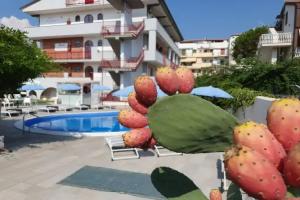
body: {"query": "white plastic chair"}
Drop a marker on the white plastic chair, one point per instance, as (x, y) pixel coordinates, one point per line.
(27, 101)
(116, 145)
(163, 152)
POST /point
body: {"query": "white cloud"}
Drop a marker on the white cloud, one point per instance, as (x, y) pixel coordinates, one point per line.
(15, 23)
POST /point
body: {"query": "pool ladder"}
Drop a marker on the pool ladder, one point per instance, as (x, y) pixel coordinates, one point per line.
(23, 120)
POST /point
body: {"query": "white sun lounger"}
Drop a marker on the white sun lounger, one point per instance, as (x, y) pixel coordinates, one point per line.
(46, 109)
(64, 108)
(28, 110)
(116, 145)
(163, 152)
(10, 113)
(82, 107)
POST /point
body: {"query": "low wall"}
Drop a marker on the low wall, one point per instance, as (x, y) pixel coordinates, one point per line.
(1, 142)
(257, 112)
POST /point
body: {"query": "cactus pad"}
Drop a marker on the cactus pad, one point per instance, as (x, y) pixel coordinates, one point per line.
(189, 124)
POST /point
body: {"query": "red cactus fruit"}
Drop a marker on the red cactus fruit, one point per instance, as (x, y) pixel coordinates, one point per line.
(132, 119)
(186, 80)
(259, 138)
(167, 80)
(291, 168)
(136, 105)
(150, 144)
(284, 121)
(145, 89)
(257, 176)
(137, 138)
(215, 194)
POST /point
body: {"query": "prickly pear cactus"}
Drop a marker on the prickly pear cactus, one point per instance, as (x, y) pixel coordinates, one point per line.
(189, 124)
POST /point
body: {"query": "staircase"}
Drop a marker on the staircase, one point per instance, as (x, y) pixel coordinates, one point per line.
(130, 64)
(118, 31)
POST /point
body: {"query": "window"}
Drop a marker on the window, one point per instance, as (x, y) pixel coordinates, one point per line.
(100, 70)
(77, 18)
(76, 69)
(88, 19)
(183, 51)
(88, 44)
(77, 43)
(100, 16)
(100, 43)
(286, 18)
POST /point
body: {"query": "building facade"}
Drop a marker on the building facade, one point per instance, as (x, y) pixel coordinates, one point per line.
(105, 41)
(204, 55)
(282, 41)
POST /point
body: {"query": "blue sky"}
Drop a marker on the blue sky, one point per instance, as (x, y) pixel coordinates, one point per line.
(198, 18)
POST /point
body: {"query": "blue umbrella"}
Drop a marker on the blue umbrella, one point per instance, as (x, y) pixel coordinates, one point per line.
(211, 92)
(31, 87)
(69, 87)
(126, 91)
(100, 88)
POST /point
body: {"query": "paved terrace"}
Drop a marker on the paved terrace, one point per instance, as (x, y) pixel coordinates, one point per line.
(39, 162)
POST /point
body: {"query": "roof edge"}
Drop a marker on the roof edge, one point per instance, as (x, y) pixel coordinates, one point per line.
(29, 4)
(166, 8)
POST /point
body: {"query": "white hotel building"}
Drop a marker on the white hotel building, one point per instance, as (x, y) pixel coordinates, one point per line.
(103, 41)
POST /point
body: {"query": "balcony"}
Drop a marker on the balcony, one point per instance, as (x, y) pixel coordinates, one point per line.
(275, 40)
(118, 31)
(62, 31)
(123, 65)
(93, 55)
(84, 2)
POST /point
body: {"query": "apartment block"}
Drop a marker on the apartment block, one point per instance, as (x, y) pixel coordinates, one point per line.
(204, 55)
(105, 41)
(283, 40)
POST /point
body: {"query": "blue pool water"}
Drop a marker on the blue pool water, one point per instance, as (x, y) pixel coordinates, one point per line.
(79, 123)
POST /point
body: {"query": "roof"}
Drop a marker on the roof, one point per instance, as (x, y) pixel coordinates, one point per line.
(160, 10)
(204, 40)
(29, 4)
(166, 8)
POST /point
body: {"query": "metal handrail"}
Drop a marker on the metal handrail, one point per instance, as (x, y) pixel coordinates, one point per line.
(23, 120)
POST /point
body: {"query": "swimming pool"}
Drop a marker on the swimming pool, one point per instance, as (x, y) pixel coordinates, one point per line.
(82, 124)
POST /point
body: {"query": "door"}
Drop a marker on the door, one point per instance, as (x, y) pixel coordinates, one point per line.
(88, 49)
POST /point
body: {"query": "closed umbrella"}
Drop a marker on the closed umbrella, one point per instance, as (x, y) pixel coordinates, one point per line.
(211, 92)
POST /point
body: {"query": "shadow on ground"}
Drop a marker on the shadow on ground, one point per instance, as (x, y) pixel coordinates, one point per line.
(15, 139)
(175, 185)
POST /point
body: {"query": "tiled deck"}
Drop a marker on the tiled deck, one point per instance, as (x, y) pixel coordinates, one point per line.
(38, 163)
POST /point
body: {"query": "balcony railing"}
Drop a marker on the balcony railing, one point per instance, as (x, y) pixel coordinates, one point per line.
(83, 2)
(132, 31)
(62, 55)
(130, 64)
(279, 39)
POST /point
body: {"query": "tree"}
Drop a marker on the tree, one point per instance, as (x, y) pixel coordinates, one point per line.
(246, 44)
(20, 60)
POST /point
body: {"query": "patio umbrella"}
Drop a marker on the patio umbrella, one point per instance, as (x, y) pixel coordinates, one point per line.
(100, 88)
(211, 92)
(69, 87)
(31, 87)
(126, 91)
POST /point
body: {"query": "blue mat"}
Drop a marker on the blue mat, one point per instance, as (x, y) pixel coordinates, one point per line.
(110, 180)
